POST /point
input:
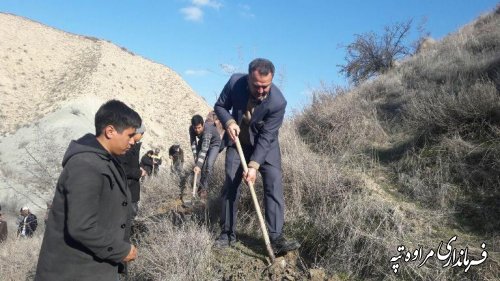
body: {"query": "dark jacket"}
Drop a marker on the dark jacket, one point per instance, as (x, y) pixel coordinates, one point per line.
(130, 163)
(31, 224)
(266, 119)
(176, 153)
(86, 236)
(147, 163)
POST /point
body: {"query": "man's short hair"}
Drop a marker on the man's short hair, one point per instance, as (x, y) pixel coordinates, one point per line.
(197, 120)
(117, 114)
(263, 66)
(174, 150)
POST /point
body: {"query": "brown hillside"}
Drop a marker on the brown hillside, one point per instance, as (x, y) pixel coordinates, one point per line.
(43, 68)
(51, 84)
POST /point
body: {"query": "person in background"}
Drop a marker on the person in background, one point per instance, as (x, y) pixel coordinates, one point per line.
(176, 154)
(28, 224)
(134, 172)
(156, 161)
(147, 162)
(205, 144)
(213, 120)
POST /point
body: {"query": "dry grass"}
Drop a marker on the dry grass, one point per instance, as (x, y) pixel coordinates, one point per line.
(19, 256)
(339, 123)
(169, 252)
(429, 129)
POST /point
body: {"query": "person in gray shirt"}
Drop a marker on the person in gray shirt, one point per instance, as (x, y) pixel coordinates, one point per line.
(205, 144)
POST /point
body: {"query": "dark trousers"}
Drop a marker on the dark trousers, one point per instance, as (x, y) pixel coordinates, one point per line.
(274, 202)
(208, 167)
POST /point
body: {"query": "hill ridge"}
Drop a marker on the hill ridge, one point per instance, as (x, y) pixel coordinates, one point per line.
(49, 75)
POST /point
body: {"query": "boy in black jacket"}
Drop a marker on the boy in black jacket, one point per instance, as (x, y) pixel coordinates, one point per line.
(134, 172)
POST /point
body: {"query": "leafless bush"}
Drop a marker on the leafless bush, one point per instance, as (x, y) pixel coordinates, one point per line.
(371, 54)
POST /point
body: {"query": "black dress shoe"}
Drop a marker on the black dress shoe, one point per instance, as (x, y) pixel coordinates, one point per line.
(282, 246)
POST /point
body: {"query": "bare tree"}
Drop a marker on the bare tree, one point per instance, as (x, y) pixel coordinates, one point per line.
(371, 54)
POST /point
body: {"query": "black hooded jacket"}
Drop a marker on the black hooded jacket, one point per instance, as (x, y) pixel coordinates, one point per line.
(86, 236)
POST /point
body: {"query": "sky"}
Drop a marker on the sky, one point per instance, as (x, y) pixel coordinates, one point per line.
(206, 40)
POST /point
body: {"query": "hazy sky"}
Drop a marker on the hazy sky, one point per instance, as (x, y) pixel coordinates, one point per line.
(204, 40)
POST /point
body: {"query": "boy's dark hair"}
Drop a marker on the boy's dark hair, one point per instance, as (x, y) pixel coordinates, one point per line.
(150, 152)
(263, 66)
(117, 114)
(197, 120)
(174, 150)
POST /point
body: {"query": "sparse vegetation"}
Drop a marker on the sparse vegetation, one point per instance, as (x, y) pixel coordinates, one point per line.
(18, 258)
(428, 132)
(371, 54)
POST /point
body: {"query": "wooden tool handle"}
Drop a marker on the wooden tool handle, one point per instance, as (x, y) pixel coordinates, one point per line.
(194, 185)
(263, 227)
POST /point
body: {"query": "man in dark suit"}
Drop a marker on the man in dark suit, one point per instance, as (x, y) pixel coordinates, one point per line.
(257, 111)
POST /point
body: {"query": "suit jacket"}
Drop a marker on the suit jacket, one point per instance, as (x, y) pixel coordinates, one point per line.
(266, 120)
(86, 236)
